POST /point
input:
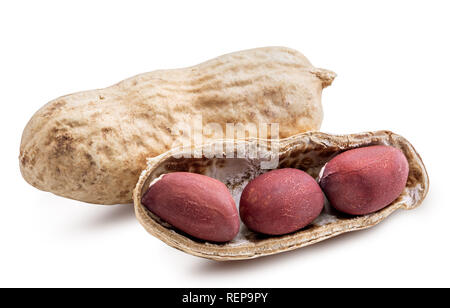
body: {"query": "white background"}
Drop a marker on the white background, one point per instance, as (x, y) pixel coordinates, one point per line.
(392, 61)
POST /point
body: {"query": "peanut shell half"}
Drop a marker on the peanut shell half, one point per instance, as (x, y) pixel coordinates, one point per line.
(307, 151)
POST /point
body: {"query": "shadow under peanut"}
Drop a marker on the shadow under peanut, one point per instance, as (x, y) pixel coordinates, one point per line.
(210, 267)
(109, 217)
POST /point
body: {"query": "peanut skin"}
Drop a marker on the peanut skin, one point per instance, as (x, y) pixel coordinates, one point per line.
(280, 202)
(365, 180)
(196, 204)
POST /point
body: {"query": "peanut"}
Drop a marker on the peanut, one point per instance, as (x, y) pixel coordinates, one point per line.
(196, 204)
(281, 201)
(365, 180)
(91, 146)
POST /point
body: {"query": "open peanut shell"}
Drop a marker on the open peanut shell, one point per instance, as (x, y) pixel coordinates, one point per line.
(308, 152)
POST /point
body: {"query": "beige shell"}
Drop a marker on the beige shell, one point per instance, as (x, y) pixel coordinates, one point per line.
(307, 151)
(91, 146)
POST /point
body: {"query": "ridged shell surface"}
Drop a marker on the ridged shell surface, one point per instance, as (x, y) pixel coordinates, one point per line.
(91, 146)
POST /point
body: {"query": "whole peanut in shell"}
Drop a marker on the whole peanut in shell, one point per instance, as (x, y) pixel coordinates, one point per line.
(365, 180)
(196, 204)
(91, 146)
(280, 202)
